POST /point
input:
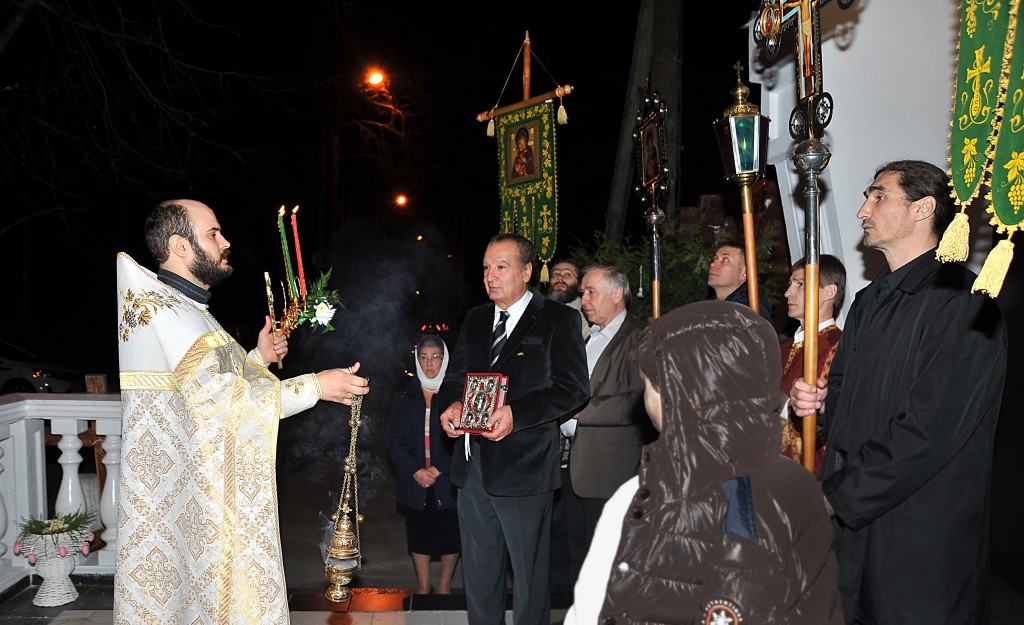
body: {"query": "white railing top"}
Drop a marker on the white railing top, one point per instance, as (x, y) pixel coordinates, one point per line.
(17, 406)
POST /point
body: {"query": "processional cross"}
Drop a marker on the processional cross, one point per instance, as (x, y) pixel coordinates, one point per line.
(807, 123)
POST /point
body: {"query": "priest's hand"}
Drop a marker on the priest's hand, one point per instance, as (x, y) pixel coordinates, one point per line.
(500, 422)
(271, 345)
(807, 399)
(342, 385)
(451, 420)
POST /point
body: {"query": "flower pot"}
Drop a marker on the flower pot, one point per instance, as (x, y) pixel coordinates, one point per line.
(57, 588)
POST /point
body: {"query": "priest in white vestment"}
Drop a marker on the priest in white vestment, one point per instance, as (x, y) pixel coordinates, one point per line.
(198, 540)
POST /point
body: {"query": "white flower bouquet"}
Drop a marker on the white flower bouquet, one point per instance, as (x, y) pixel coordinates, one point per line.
(321, 304)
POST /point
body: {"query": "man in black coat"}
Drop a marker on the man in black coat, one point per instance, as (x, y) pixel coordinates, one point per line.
(912, 402)
(507, 475)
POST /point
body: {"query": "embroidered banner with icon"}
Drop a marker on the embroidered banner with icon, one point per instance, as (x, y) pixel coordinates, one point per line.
(526, 158)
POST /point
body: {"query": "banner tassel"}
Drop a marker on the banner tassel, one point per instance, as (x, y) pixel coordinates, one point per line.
(544, 273)
(993, 272)
(955, 242)
(563, 117)
(490, 127)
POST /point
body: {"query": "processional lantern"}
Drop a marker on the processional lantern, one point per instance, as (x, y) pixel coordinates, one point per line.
(743, 141)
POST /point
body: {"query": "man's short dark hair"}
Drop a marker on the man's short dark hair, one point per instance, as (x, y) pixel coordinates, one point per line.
(830, 271)
(920, 179)
(527, 252)
(165, 221)
(735, 245)
(615, 277)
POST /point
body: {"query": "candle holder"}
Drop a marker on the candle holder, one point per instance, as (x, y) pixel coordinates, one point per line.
(312, 303)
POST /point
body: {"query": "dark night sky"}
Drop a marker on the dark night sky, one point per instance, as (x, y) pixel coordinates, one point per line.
(447, 62)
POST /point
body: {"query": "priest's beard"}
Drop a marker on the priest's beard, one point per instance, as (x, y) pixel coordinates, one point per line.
(207, 270)
(563, 297)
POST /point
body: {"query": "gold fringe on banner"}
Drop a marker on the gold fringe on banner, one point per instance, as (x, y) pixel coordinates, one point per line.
(993, 272)
(955, 242)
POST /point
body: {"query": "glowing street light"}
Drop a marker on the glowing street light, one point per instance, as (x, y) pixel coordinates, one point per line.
(376, 79)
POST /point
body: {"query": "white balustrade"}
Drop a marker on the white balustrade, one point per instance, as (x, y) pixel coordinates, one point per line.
(23, 470)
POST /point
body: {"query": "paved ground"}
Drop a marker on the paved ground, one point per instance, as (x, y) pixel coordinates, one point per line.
(386, 565)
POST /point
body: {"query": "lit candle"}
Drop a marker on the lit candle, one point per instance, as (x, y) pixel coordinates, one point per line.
(298, 251)
(287, 254)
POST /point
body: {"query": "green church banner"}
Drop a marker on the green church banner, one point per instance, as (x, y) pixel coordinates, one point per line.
(977, 103)
(987, 137)
(526, 161)
(1007, 184)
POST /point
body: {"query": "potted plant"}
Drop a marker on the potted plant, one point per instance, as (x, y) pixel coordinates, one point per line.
(52, 546)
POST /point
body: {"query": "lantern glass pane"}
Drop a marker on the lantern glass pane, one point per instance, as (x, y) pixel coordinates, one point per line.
(745, 143)
(723, 130)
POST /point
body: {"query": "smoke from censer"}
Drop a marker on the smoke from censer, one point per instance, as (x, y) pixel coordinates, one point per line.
(378, 279)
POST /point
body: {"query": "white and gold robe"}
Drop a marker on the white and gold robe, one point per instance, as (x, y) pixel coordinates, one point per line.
(198, 540)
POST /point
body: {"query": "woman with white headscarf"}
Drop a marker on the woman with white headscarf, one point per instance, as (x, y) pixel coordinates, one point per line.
(422, 456)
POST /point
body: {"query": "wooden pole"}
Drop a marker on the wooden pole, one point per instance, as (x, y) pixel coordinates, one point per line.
(810, 423)
(526, 67)
(811, 157)
(750, 246)
(557, 93)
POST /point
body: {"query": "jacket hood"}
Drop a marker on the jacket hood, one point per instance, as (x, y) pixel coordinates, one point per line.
(718, 368)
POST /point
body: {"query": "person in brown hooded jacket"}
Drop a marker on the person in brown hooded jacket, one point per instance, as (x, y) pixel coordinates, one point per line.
(717, 527)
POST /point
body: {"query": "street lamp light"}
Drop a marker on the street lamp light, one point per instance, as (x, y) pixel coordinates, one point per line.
(375, 78)
(743, 141)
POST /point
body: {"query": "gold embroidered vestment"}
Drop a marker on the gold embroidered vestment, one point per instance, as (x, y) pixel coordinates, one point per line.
(198, 540)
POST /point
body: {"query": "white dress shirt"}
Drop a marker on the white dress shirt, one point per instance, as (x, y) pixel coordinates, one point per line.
(798, 336)
(596, 344)
(515, 313)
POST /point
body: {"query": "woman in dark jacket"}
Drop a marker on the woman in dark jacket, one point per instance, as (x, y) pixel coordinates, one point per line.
(422, 456)
(717, 527)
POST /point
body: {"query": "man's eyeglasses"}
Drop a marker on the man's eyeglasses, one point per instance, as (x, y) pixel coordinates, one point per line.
(429, 357)
(563, 275)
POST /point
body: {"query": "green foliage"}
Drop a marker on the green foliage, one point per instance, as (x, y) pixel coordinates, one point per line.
(319, 299)
(73, 523)
(685, 258)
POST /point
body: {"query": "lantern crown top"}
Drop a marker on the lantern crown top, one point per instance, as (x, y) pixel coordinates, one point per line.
(740, 106)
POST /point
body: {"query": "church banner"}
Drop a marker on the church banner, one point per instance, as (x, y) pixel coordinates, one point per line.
(526, 158)
(977, 103)
(1007, 175)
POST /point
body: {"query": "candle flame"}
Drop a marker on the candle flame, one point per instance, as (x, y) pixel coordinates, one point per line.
(280, 211)
(296, 209)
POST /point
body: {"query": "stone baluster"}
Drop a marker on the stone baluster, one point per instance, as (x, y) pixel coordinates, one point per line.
(109, 500)
(70, 497)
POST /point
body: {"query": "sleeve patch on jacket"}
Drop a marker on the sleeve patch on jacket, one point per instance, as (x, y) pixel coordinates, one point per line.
(722, 612)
